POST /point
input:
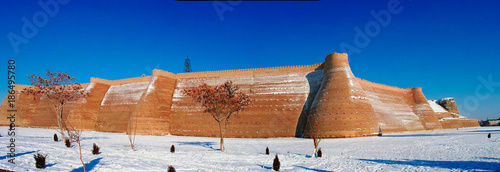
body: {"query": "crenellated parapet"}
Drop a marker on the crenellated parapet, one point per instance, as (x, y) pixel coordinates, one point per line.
(254, 71)
(162, 73)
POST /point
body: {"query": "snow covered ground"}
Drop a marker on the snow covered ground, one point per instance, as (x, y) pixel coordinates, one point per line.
(445, 150)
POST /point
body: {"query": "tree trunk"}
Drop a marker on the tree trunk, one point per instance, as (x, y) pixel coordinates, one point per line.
(81, 159)
(60, 124)
(221, 138)
(316, 145)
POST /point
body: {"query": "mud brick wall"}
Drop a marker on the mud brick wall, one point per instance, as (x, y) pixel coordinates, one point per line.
(278, 100)
(283, 100)
(393, 107)
(340, 106)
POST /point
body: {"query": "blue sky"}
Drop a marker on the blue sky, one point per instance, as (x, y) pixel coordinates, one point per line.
(450, 48)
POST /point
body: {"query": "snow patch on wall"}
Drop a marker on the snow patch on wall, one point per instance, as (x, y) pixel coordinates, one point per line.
(89, 87)
(393, 110)
(286, 84)
(359, 97)
(129, 93)
(151, 86)
(436, 107)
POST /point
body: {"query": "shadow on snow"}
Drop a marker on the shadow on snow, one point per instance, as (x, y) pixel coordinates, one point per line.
(208, 145)
(89, 166)
(17, 154)
(312, 169)
(463, 165)
(484, 131)
(420, 135)
(266, 167)
(50, 165)
(90, 138)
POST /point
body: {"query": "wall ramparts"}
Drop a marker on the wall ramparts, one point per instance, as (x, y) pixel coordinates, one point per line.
(424, 111)
(246, 72)
(284, 102)
(392, 107)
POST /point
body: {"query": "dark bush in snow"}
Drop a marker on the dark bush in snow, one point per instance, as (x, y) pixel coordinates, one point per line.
(267, 150)
(171, 168)
(172, 149)
(320, 153)
(67, 142)
(489, 135)
(95, 149)
(276, 163)
(55, 138)
(39, 160)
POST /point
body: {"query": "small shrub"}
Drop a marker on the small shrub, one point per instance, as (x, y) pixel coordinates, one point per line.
(67, 142)
(489, 135)
(171, 168)
(55, 138)
(95, 149)
(276, 163)
(172, 149)
(267, 150)
(40, 160)
(320, 153)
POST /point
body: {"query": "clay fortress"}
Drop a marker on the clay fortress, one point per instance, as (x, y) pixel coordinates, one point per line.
(283, 98)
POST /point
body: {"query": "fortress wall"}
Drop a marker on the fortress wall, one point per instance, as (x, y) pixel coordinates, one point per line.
(470, 123)
(340, 107)
(458, 123)
(27, 107)
(119, 105)
(162, 73)
(283, 99)
(392, 107)
(440, 111)
(440, 115)
(277, 103)
(424, 111)
(153, 109)
(86, 112)
(39, 112)
(121, 81)
(449, 124)
(246, 72)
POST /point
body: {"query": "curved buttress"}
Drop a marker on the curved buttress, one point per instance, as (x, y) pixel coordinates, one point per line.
(340, 108)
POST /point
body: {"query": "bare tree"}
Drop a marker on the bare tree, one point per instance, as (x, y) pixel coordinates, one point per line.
(316, 132)
(132, 128)
(74, 135)
(221, 102)
(58, 88)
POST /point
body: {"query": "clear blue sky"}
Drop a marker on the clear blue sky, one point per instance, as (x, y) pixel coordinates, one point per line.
(442, 46)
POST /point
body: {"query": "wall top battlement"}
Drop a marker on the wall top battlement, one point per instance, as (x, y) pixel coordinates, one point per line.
(158, 72)
(383, 86)
(121, 81)
(222, 73)
(254, 71)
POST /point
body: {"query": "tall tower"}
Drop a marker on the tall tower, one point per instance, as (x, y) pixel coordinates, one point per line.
(187, 65)
(340, 108)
